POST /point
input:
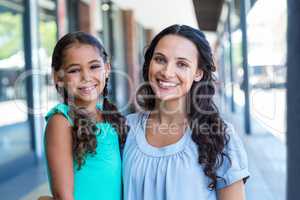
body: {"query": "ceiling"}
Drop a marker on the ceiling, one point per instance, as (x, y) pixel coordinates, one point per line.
(208, 13)
(158, 14)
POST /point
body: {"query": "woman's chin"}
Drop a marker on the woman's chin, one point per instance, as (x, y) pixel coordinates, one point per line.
(167, 97)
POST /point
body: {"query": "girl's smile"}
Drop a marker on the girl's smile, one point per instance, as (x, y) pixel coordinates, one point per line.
(87, 90)
(84, 74)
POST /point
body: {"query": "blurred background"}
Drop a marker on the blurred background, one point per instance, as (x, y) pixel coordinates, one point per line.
(248, 38)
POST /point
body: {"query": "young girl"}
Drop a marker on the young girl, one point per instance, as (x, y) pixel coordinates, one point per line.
(180, 147)
(82, 136)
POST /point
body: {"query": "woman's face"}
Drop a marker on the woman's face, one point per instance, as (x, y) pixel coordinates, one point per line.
(174, 67)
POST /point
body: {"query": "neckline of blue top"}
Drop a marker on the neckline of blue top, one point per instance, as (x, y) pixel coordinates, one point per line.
(167, 150)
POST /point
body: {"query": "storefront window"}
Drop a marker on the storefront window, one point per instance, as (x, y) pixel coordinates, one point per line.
(48, 37)
(14, 130)
(11, 64)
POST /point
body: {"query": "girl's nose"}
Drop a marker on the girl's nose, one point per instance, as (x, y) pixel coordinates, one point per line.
(86, 75)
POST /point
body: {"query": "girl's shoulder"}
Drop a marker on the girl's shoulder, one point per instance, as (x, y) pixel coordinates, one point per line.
(60, 109)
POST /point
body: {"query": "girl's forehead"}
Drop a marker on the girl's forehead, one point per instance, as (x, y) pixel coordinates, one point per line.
(81, 52)
(81, 47)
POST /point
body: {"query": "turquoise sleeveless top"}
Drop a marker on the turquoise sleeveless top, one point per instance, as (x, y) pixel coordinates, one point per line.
(100, 177)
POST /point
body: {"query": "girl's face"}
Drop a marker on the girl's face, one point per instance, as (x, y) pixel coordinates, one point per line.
(174, 67)
(83, 73)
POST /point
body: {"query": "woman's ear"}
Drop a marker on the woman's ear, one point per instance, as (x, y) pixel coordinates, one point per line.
(199, 75)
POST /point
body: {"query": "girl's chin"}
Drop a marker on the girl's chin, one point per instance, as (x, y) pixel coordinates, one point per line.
(87, 99)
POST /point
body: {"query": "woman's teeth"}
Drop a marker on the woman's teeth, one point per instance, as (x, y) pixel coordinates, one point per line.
(166, 84)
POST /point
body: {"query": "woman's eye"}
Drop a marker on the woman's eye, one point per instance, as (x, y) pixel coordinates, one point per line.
(182, 64)
(95, 66)
(159, 60)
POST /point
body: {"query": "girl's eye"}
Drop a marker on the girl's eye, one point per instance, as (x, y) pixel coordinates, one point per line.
(72, 71)
(159, 60)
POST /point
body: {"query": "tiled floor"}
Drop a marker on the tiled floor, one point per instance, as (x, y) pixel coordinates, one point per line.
(266, 158)
(23, 184)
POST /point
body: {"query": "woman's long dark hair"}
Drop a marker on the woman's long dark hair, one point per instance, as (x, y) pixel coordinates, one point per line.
(202, 112)
(84, 128)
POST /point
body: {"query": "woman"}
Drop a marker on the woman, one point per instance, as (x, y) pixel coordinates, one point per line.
(180, 147)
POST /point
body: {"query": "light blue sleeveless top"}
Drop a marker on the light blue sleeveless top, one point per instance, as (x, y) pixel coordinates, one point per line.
(100, 177)
(172, 172)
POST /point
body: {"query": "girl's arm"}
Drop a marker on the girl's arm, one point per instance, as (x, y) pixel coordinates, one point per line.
(235, 191)
(60, 157)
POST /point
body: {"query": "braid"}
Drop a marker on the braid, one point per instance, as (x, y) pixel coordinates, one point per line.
(112, 116)
(83, 131)
(83, 134)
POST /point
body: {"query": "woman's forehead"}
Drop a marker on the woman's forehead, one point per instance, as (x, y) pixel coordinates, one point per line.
(177, 46)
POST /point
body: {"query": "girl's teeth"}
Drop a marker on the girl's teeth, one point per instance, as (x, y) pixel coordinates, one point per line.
(87, 89)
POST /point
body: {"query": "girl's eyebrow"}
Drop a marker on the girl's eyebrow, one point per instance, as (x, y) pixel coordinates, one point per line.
(72, 65)
(76, 64)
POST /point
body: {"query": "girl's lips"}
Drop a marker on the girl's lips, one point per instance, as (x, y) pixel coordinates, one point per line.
(87, 90)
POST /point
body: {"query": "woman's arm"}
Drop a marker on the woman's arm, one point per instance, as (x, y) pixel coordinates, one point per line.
(235, 191)
(60, 157)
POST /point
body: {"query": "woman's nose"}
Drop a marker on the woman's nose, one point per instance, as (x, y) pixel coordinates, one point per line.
(168, 70)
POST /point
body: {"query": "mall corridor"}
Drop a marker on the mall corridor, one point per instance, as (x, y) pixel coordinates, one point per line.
(256, 50)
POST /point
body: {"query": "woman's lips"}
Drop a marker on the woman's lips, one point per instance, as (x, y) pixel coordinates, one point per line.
(166, 84)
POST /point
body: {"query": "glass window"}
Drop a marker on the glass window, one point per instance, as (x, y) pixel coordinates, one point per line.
(12, 65)
(48, 37)
(14, 135)
(267, 65)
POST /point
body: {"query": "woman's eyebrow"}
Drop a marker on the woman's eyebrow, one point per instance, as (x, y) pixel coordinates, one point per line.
(95, 60)
(158, 53)
(77, 64)
(179, 58)
(186, 59)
